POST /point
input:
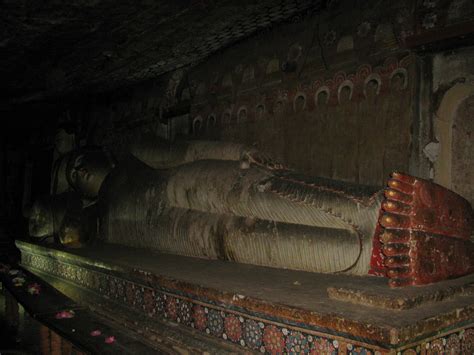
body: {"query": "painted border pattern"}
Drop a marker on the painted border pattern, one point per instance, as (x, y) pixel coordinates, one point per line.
(250, 332)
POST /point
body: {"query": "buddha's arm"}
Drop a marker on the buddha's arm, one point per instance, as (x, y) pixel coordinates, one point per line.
(160, 154)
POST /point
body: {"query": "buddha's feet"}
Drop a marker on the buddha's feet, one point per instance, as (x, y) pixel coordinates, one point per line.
(426, 232)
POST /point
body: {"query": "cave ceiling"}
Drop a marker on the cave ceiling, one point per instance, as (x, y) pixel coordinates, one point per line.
(57, 47)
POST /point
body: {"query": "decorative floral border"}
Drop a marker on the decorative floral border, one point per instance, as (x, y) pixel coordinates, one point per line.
(250, 332)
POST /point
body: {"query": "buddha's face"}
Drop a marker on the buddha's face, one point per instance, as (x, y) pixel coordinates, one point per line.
(88, 171)
(197, 127)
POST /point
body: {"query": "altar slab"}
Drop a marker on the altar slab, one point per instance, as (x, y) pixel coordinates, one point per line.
(263, 308)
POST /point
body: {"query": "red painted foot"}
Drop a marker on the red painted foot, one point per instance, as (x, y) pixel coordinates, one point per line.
(425, 232)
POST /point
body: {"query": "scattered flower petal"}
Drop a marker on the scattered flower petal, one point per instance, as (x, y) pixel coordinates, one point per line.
(96, 333)
(65, 314)
(34, 289)
(110, 339)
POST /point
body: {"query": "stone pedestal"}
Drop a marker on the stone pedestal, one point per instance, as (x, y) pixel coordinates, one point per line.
(264, 309)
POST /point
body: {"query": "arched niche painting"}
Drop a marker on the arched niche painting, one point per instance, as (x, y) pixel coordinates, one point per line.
(299, 103)
(242, 114)
(260, 111)
(345, 90)
(226, 117)
(372, 86)
(278, 107)
(197, 125)
(398, 80)
(321, 97)
(211, 121)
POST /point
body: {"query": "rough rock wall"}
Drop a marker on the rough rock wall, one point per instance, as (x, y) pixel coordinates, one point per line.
(335, 94)
(360, 135)
(463, 149)
(451, 150)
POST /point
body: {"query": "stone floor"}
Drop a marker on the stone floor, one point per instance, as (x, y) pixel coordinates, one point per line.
(23, 340)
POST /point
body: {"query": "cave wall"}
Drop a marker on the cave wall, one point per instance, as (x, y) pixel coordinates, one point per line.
(343, 93)
(451, 149)
(350, 122)
(328, 94)
(25, 161)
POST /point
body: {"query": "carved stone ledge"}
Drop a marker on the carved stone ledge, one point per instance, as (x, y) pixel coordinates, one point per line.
(248, 306)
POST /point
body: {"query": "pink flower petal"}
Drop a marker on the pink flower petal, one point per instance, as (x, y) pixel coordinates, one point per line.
(59, 315)
(96, 333)
(64, 314)
(34, 289)
(68, 314)
(110, 339)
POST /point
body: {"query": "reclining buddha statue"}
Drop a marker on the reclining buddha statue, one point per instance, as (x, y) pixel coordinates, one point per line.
(224, 201)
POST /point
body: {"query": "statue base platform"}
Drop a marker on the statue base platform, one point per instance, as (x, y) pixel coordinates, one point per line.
(261, 309)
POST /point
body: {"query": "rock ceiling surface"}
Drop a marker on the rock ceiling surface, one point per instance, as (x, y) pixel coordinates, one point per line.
(56, 46)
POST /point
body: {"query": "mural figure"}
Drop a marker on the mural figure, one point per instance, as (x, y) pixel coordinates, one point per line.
(219, 200)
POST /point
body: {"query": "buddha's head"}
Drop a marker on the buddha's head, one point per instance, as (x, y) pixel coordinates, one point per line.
(87, 171)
